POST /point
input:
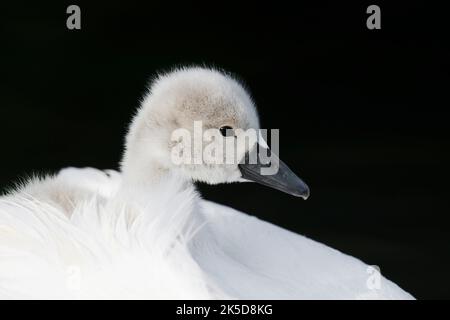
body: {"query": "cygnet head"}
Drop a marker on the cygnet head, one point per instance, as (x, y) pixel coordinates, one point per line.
(190, 114)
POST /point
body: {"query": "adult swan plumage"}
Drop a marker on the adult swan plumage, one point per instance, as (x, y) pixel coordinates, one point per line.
(144, 232)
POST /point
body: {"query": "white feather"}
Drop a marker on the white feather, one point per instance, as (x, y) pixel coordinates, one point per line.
(118, 247)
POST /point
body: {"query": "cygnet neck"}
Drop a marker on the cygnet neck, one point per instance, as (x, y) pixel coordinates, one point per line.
(145, 174)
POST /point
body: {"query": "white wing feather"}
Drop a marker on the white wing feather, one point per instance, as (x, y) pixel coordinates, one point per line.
(254, 259)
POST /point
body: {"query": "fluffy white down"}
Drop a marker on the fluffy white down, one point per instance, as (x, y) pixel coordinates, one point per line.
(99, 246)
(169, 244)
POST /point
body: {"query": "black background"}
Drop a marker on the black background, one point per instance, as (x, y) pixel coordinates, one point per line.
(362, 113)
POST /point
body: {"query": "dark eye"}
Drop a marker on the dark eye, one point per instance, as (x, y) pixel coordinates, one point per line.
(226, 131)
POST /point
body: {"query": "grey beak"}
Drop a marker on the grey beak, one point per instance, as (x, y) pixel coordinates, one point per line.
(284, 179)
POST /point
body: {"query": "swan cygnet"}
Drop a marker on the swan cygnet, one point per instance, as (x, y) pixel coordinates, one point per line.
(144, 232)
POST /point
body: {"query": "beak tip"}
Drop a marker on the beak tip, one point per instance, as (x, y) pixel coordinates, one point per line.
(303, 192)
